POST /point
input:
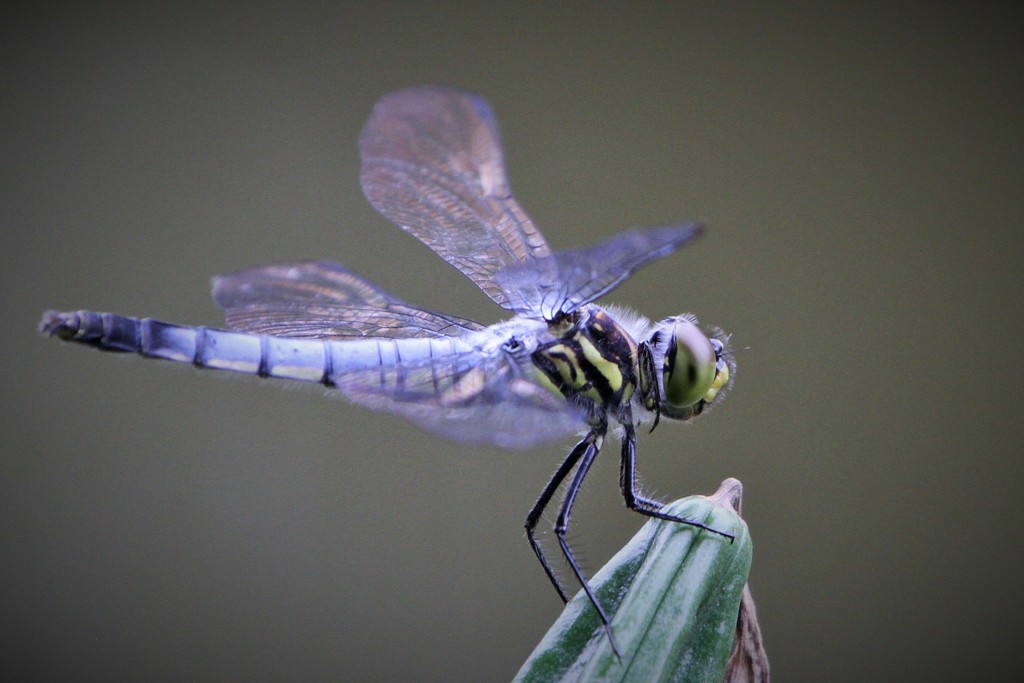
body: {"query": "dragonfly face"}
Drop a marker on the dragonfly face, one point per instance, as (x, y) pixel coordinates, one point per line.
(695, 367)
(432, 164)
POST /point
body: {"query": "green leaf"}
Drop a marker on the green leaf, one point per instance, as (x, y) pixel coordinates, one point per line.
(674, 591)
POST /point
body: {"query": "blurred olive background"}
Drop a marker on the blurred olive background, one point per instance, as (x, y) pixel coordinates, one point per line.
(861, 173)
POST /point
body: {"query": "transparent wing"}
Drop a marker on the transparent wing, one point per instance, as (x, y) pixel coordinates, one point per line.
(432, 164)
(582, 275)
(323, 299)
(466, 397)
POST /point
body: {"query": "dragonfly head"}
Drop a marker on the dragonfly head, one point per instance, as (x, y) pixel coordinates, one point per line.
(695, 366)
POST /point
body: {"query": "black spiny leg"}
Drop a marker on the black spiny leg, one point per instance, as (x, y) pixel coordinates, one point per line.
(542, 502)
(584, 453)
(627, 481)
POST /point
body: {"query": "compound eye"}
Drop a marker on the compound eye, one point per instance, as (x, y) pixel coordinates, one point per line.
(690, 365)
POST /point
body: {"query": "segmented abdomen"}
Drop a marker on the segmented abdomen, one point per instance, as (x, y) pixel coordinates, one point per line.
(310, 360)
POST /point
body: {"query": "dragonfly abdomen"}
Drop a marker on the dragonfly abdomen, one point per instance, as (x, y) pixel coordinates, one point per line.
(286, 358)
(309, 360)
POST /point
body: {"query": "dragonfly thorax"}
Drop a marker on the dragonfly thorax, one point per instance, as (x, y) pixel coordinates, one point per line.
(594, 360)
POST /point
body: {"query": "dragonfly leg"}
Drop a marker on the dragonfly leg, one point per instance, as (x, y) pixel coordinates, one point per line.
(581, 457)
(542, 502)
(630, 492)
(594, 440)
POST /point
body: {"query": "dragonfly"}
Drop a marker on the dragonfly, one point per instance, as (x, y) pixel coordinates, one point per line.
(561, 365)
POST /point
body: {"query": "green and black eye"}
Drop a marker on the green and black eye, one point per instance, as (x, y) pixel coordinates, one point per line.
(693, 370)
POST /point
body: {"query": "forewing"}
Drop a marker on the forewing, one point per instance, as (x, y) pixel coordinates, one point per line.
(432, 164)
(467, 397)
(323, 299)
(585, 274)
